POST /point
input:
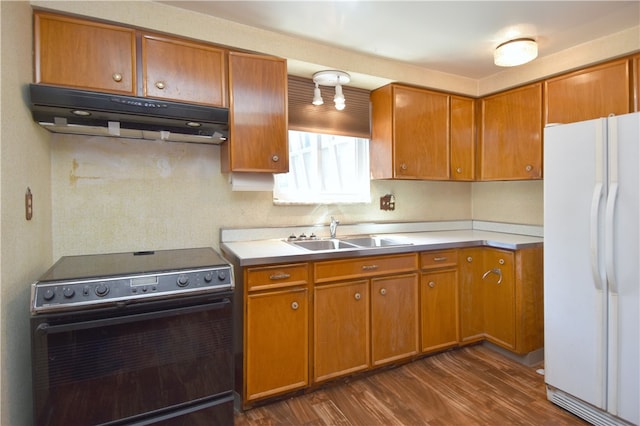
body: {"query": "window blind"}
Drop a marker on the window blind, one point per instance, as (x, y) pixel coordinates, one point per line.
(354, 120)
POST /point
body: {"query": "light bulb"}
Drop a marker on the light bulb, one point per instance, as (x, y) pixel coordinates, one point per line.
(317, 97)
(339, 97)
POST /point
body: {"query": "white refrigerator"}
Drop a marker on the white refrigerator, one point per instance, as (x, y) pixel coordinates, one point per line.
(592, 268)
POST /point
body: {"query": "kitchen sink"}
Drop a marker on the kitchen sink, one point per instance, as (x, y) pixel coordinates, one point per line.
(348, 243)
(374, 242)
(332, 244)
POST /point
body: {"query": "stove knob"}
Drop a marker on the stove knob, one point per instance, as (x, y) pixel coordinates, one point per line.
(68, 292)
(208, 277)
(102, 290)
(221, 276)
(183, 280)
(49, 294)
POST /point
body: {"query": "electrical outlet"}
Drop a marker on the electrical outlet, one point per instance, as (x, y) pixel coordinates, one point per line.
(387, 202)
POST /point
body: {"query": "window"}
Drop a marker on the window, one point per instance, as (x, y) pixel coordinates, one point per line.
(324, 169)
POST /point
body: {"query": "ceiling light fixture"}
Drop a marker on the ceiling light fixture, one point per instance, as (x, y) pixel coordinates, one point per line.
(331, 78)
(515, 52)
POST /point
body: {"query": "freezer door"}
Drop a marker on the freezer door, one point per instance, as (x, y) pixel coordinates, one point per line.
(622, 258)
(574, 286)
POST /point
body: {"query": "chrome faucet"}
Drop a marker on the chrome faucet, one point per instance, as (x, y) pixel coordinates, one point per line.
(333, 227)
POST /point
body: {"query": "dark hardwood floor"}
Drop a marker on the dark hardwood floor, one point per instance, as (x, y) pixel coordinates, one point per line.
(469, 386)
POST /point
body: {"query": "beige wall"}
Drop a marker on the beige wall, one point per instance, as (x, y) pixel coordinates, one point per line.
(96, 195)
(25, 246)
(122, 195)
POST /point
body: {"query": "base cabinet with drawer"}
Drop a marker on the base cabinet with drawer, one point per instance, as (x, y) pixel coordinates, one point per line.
(365, 313)
(276, 343)
(439, 300)
(299, 325)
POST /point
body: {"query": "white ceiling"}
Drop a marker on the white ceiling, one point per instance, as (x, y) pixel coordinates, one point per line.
(456, 37)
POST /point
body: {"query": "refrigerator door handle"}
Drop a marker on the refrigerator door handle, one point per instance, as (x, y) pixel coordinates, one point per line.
(595, 209)
(608, 243)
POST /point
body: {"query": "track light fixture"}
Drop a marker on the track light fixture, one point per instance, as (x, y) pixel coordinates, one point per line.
(330, 78)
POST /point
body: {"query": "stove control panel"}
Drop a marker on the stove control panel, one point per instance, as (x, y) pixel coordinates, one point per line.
(72, 295)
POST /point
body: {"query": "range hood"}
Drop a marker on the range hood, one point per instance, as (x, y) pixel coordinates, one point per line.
(83, 112)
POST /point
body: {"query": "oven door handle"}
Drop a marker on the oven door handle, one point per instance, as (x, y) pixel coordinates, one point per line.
(46, 328)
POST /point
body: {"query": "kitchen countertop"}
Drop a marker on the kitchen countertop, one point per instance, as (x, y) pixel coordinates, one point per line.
(278, 250)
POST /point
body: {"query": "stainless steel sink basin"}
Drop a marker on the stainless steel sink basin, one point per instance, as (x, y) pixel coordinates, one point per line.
(316, 245)
(374, 242)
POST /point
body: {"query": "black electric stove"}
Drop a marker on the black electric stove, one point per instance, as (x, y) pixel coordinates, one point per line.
(82, 282)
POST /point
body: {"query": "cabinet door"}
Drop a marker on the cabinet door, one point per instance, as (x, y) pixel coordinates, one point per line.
(511, 136)
(439, 309)
(83, 54)
(463, 138)
(636, 83)
(590, 93)
(394, 318)
(499, 298)
(277, 339)
(183, 71)
(258, 115)
(421, 134)
(471, 295)
(341, 329)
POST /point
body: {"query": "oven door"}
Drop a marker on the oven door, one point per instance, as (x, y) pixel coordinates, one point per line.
(135, 365)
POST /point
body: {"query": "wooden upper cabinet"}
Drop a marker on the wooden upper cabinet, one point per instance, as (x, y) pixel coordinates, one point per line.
(589, 93)
(463, 138)
(183, 71)
(410, 133)
(511, 135)
(258, 115)
(84, 54)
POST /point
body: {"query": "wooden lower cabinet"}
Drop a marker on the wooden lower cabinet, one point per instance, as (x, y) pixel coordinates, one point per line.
(438, 300)
(439, 309)
(277, 342)
(470, 272)
(341, 329)
(394, 318)
(502, 301)
(372, 311)
(499, 298)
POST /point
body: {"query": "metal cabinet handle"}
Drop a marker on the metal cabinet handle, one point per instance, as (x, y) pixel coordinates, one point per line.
(279, 276)
(403, 166)
(357, 296)
(440, 259)
(501, 261)
(294, 305)
(383, 291)
(117, 77)
(432, 284)
(275, 158)
(469, 259)
(369, 267)
(528, 167)
(160, 85)
(459, 170)
(496, 271)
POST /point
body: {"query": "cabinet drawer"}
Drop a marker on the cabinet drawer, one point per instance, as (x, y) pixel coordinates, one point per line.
(363, 267)
(438, 259)
(277, 276)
